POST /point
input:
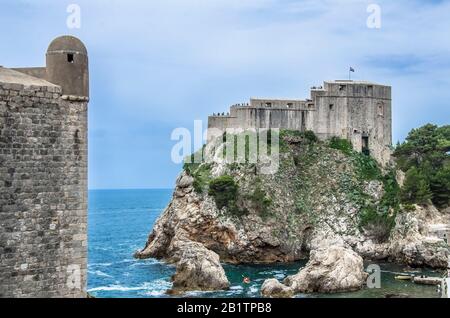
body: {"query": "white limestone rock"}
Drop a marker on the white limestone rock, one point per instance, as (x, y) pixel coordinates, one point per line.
(413, 244)
(273, 288)
(198, 269)
(329, 270)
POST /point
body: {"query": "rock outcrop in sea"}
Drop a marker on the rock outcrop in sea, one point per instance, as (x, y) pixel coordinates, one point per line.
(329, 269)
(273, 288)
(324, 202)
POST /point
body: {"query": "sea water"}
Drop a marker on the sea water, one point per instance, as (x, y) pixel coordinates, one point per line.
(119, 224)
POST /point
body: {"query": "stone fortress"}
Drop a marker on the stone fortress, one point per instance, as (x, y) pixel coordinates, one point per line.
(43, 169)
(355, 110)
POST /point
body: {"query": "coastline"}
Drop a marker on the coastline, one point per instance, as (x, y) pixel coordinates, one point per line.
(116, 262)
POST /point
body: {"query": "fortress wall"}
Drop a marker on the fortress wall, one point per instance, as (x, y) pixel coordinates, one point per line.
(330, 118)
(43, 193)
(250, 117)
(220, 122)
(371, 117)
(310, 119)
(217, 126)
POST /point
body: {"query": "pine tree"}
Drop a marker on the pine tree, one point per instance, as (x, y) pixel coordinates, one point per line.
(425, 158)
(416, 188)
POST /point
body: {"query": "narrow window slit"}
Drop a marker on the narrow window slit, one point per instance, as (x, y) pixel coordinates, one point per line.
(70, 58)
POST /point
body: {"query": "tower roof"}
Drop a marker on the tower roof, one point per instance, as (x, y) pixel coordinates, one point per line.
(67, 43)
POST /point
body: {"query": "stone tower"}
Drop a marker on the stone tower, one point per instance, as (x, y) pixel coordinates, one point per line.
(43, 169)
(67, 65)
(358, 111)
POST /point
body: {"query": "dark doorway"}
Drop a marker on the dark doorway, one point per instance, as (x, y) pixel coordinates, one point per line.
(303, 121)
(365, 145)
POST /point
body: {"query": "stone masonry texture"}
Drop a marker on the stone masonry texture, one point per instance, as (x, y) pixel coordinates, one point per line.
(43, 192)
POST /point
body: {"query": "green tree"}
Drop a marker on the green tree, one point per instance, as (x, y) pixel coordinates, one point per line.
(440, 186)
(424, 156)
(416, 188)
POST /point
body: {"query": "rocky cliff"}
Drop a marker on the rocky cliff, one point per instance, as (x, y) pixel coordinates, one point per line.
(323, 197)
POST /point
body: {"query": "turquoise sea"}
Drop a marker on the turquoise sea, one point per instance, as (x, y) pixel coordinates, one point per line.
(119, 223)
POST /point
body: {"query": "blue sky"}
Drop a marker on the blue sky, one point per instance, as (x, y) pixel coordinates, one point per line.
(159, 65)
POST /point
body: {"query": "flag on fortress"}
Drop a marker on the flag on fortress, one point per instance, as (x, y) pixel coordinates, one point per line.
(352, 69)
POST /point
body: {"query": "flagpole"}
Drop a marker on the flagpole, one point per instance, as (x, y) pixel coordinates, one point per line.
(350, 70)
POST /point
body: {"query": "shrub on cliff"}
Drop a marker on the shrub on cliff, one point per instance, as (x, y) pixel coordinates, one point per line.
(378, 220)
(376, 224)
(260, 200)
(424, 156)
(307, 135)
(201, 174)
(224, 190)
(366, 166)
(311, 136)
(341, 144)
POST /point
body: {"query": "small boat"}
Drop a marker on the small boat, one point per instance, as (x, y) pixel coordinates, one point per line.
(397, 296)
(424, 280)
(403, 277)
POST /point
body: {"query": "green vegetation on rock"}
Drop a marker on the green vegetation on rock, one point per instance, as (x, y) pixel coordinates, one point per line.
(201, 172)
(288, 136)
(366, 167)
(341, 144)
(378, 218)
(202, 176)
(260, 201)
(224, 190)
